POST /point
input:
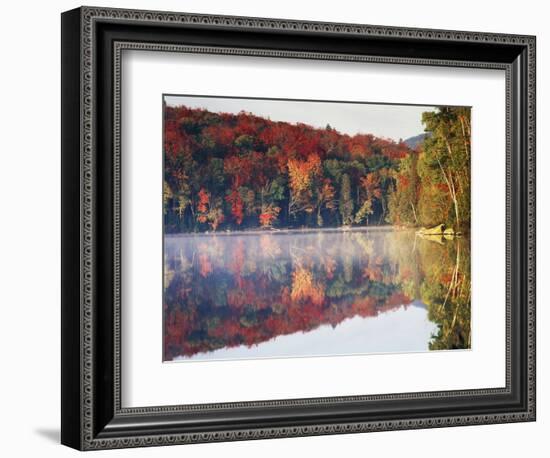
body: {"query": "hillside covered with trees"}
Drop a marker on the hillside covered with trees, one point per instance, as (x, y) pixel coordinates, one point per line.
(240, 171)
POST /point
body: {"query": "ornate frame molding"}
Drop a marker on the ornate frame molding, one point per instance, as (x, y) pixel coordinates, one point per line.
(89, 436)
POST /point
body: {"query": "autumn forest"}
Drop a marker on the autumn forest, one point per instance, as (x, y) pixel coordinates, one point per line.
(283, 239)
(235, 172)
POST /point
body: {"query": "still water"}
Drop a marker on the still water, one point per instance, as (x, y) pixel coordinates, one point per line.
(314, 293)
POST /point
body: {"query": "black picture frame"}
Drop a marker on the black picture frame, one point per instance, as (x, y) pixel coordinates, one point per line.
(92, 40)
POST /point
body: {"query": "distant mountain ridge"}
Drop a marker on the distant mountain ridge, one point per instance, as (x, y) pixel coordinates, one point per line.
(414, 142)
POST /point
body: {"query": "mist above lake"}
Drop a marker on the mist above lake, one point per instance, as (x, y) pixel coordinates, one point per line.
(313, 293)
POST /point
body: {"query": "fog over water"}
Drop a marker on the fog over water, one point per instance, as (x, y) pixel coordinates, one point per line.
(298, 294)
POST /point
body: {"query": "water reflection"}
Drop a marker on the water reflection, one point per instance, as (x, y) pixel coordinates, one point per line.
(314, 293)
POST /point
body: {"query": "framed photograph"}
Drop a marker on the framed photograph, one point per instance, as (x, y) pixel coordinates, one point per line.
(276, 228)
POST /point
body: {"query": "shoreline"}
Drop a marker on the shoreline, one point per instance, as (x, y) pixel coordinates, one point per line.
(309, 230)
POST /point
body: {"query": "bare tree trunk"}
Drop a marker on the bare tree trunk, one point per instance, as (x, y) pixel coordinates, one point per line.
(455, 202)
(414, 212)
(452, 157)
(464, 137)
(289, 203)
(452, 191)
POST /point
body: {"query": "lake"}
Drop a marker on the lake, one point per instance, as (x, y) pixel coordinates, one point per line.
(314, 293)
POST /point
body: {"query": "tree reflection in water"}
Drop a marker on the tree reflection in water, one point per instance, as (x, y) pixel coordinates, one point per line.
(224, 291)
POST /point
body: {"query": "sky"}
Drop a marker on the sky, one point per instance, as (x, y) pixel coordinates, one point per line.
(389, 121)
(403, 330)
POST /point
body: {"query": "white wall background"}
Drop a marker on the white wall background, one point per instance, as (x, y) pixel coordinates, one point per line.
(30, 240)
